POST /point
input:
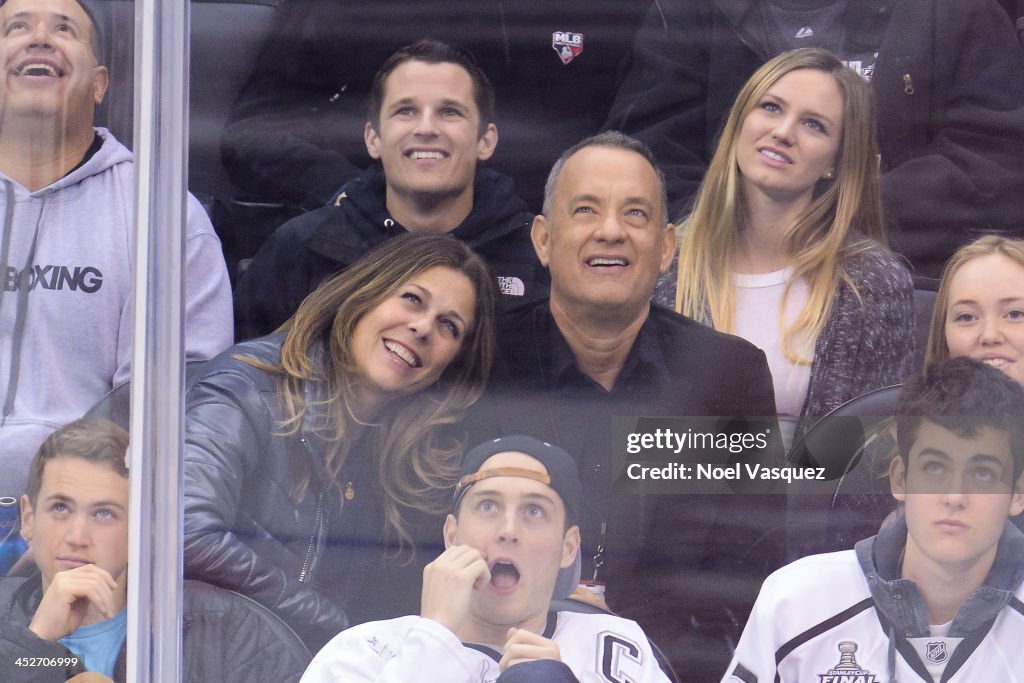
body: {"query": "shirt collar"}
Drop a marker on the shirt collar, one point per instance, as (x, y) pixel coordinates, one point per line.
(900, 601)
(645, 362)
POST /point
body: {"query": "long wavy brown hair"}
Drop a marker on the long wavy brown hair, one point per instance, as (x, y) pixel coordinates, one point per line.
(843, 212)
(418, 454)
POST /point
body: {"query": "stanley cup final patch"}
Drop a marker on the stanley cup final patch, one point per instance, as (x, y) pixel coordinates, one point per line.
(847, 670)
(569, 46)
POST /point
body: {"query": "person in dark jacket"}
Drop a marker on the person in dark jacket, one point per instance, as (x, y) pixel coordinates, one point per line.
(226, 638)
(946, 76)
(554, 64)
(311, 454)
(430, 122)
(598, 350)
(70, 616)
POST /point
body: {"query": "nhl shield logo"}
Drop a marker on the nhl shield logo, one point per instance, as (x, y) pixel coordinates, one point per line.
(569, 46)
(936, 652)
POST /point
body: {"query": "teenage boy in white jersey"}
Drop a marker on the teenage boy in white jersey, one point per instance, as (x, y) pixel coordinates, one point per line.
(935, 596)
(485, 612)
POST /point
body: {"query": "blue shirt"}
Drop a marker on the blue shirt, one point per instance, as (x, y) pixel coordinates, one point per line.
(99, 644)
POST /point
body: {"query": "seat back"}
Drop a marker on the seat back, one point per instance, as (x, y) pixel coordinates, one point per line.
(115, 405)
(925, 292)
(230, 638)
(226, 38)
(1019, 21)
(568, 579)
(835, 441)
(821, 516)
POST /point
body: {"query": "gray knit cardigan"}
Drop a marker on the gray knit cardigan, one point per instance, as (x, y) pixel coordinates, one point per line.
(862, 346)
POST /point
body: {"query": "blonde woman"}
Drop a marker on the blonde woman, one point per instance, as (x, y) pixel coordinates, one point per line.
(308, 451)
(785, 245)
(979, 311)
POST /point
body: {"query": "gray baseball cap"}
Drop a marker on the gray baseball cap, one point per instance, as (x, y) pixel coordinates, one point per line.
(562, 474)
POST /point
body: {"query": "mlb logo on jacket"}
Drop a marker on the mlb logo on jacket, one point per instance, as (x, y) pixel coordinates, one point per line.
(568, 45)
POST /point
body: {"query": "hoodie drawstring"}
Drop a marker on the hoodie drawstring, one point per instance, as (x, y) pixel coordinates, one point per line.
(5, 246)
(20, 312)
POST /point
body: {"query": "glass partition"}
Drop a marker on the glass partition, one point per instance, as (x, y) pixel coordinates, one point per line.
(179, 177)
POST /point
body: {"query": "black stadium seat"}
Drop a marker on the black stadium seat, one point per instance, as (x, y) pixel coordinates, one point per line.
(816, 521)
(115, 405)
(230, 638)
(835, 441)
(227, 36)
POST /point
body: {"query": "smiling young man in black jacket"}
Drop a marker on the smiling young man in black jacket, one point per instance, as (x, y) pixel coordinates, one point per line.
(430, 123)
(554, 65)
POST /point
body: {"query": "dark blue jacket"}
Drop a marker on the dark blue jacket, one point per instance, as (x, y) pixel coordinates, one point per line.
(303, 252)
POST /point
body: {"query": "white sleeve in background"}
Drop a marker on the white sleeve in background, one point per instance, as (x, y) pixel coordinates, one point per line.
(123, 353)
(403, 650)
(754, 659)
(209, 325)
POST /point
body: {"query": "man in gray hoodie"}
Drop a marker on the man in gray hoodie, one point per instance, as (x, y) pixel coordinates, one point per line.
(67, 216)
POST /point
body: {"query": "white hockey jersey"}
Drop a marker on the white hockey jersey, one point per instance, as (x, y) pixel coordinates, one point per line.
(598, 648)
(818, 620)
